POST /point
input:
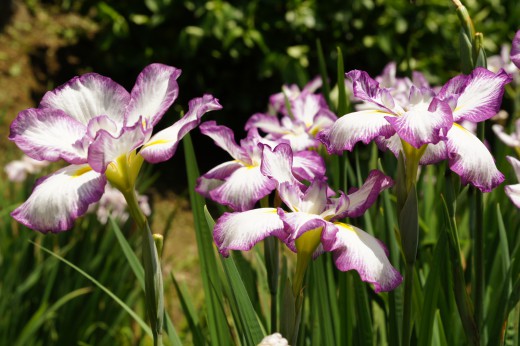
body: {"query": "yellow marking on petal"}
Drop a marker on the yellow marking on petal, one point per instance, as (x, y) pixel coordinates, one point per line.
(345, 226)
(158, 141)
(82, 171)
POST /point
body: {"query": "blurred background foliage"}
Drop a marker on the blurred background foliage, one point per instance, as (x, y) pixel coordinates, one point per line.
(243, 51)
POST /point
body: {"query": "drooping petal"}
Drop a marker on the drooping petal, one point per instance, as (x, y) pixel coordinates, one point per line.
(107, 148)
(434, 153)
(471, 160)
(354, 127)
(480, 94)
(60, 198)
(87, 97)
(308, 165)
(49, 134)
(215, 177)
(243, 188)
(420, 126)
(241, 231)
(515, 50)
(368, 90)
(154, 92)
(353, 248)
(361, 199)
(513, 191)
(162, 145)
(277, 163)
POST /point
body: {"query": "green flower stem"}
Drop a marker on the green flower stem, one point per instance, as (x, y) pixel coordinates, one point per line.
(407, 308)
(154, 295)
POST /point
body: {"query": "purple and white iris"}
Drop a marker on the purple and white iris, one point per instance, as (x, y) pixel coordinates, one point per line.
(428, 119)
(515, 50)
(258, 166)
(96, 126)
(311, 225)
(308, 114)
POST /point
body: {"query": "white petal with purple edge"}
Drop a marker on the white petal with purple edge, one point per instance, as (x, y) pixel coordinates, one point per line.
(515, 50)
(297, 223)
(308, 165)
(89, 96)
(107, 148)
(215, 177)
(420, 126)
(58, 199)
(434, 153)
(241, 231)
(154, 92)
(471, 160)
(509, 140)
(266, 123)
(277, 163)
(482, 95)
(353, 248)
(162, 145)
(243, 189)
(354, 127)
(49, 134)
(361, 199)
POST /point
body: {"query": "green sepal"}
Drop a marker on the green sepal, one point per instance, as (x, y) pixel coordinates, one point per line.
(466, 53)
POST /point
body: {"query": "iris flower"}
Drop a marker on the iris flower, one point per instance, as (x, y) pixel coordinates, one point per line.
(258, 166)
(104, 133)
(308, 115)
(312, 225)
(475, 97)
(423, 119)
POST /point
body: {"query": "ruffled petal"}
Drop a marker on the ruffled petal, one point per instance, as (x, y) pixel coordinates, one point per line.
(241, 231)
(368, 90)
(243, 188)
(154, 92)
(107, 148)
(419, 126)
(354, 127)
(225, 138)
(312, 201)
(49, 134)
(471, 160)
(479, 94)
(297, 223)
(515, 50)
(308, 165)
(162, 145)
(353, 248)
(58, 199)
(87, 97)
(361, 199)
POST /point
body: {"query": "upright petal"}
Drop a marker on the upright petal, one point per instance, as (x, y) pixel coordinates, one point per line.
(243, 188)
(49, 134)
(154, 92)
(515, 50)
(354, 127)
(308, 165)
(162, 145)
(368, 90)
(277, 163)
(60, 198)
(87, 97)
(107, 148)
(241, 231)
(480, 94)
(420, 126)
(361, 199)
(353, 248)
(471, 160)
